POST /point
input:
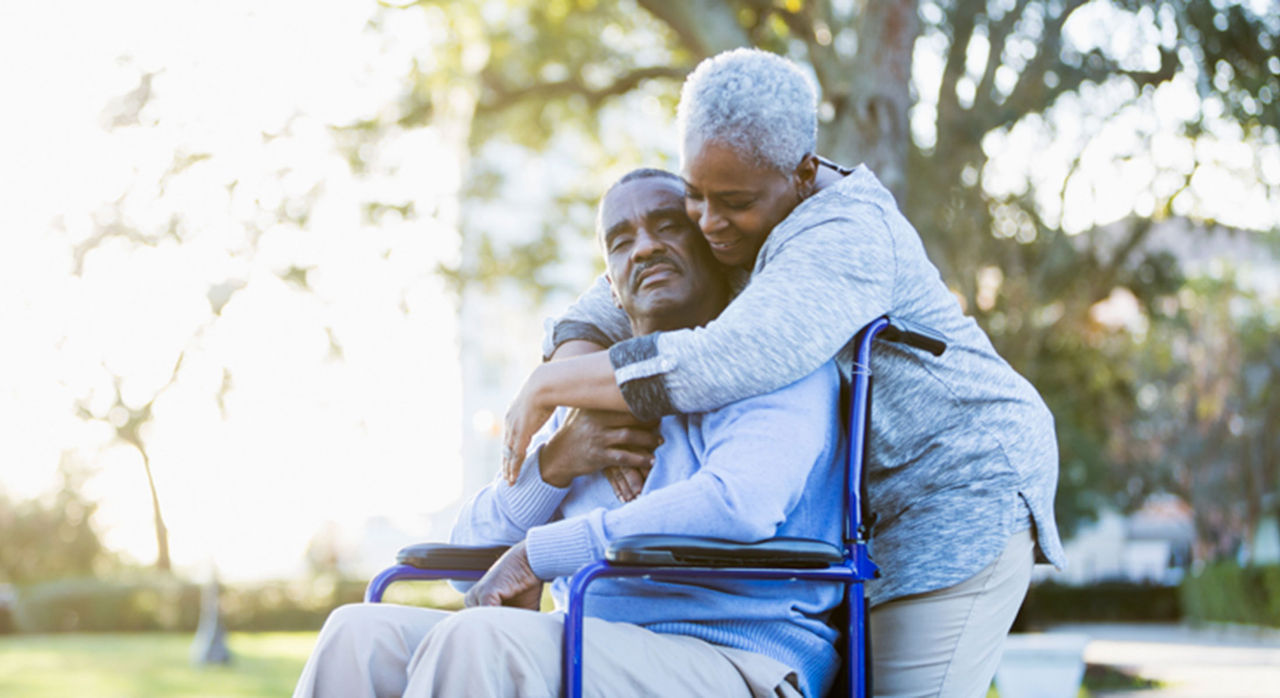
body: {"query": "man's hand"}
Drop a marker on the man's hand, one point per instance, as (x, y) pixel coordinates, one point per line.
(510, 582)
(590, 441)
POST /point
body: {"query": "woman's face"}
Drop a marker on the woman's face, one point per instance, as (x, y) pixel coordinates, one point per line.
(736, 202)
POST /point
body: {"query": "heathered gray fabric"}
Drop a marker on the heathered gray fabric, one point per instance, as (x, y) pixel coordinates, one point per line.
(962, 447)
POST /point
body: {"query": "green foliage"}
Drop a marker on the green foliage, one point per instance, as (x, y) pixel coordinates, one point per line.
(1206, 425)
(1225, 592)
(69, 605)
(1049, 604)
(51, 537)
(166, 604)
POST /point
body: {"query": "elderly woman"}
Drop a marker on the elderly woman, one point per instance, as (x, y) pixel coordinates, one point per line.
(963, 461)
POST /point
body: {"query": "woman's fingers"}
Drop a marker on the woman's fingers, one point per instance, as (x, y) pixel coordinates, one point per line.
(627, 481)
(518, 431)
(621, 489)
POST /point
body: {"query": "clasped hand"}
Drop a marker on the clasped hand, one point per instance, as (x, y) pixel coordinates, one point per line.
(591, 441)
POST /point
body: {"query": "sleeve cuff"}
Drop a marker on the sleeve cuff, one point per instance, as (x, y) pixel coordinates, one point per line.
(569, 330)
(531, 501)
(559, 549)
(639, 370)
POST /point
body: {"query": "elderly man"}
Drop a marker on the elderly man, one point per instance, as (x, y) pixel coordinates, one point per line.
(754, 469)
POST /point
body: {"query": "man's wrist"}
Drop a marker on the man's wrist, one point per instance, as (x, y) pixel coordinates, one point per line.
(548, 463)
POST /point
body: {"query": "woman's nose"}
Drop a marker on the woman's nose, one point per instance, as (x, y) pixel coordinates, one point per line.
(707, 219)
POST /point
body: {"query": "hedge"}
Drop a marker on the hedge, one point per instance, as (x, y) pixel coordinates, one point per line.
(1049, 603)
(1225, 592)
(166, 603)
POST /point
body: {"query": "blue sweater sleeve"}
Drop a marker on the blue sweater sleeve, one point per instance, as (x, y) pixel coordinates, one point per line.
(500, 514)
(756, 458)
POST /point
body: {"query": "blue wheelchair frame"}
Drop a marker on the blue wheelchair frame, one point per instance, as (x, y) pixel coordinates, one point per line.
(689, 558)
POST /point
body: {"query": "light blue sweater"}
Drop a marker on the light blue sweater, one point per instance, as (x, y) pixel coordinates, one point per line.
(766, 466)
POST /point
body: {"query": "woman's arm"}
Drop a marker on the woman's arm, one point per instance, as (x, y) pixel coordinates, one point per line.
(820, 282)
(593, 318)
(584, 381)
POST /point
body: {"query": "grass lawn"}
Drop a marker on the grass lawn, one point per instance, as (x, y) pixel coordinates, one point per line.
(142, 665)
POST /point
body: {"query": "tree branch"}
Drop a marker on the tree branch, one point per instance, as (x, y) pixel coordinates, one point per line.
(502, 96)
(997, 35)
(962, 24)
(705, 27)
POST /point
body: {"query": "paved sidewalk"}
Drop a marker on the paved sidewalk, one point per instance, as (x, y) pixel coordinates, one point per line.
(1189, 662)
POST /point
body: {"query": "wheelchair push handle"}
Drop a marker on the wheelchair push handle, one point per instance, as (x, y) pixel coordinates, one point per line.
(914, 335)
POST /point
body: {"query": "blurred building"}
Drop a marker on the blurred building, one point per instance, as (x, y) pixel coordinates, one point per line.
(1151, 545)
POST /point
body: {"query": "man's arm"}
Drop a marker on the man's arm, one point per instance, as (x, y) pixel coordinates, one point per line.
(501, 513)
(757, 459)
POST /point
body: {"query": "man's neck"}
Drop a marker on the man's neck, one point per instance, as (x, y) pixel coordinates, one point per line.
(679, 318)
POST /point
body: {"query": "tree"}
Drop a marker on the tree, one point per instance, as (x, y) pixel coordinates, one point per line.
(1015, 248)
(1207, 426)
(51, 537)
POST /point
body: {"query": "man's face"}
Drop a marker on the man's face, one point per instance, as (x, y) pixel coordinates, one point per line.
(658, 263)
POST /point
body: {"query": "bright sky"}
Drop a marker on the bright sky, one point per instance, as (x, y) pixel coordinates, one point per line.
(305, 438)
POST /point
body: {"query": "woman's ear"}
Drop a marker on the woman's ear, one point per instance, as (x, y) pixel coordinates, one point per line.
(805, 176)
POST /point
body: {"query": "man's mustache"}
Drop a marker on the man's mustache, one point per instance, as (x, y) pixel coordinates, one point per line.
(642, 267)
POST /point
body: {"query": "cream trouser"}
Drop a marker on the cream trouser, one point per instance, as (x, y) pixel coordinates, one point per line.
(943, 643)
(388, 650)
(948, 642)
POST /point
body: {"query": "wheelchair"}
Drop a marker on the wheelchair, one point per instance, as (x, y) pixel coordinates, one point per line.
(691, 558)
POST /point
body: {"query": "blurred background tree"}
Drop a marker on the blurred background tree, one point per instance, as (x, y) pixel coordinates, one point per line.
(925, 93)
(52, 537)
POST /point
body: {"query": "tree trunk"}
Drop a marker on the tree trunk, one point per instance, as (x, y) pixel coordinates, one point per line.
(162, 532)
(871, 97)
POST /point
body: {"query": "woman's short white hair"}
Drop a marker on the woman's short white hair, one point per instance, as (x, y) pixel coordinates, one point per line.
(759, 104)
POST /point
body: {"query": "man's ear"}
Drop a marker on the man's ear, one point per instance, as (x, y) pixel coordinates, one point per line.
(805, 176)
(613, 293)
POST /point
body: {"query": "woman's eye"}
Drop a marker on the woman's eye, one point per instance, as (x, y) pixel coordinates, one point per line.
(739, 205)
(692, 195)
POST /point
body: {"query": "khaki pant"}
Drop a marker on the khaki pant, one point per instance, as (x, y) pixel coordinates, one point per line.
(389, 650)
(948, 642)
(944, 643)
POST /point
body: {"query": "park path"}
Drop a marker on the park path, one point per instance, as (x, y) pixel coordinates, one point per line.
(1189, 662)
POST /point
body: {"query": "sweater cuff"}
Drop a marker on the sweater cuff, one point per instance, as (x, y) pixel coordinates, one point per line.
(531, 501)
(559, 549)
(569, 330)
(639, 370)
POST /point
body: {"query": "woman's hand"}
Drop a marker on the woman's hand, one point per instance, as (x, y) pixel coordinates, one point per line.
(582, 381)
(592, 441)
(525, 417)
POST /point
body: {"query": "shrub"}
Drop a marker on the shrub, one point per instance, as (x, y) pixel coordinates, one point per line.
(168, 603)
(1225, 592)
(1050, 603)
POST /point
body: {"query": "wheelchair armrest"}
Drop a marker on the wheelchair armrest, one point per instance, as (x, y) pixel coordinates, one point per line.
(651, 549)
(452, 557)
(914, 335)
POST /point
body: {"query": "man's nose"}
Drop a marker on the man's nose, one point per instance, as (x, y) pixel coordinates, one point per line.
(646, 244)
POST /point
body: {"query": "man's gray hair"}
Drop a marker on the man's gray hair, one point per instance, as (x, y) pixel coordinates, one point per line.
(759, 104)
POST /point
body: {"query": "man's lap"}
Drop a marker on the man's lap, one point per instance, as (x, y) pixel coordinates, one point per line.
(507, 651)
